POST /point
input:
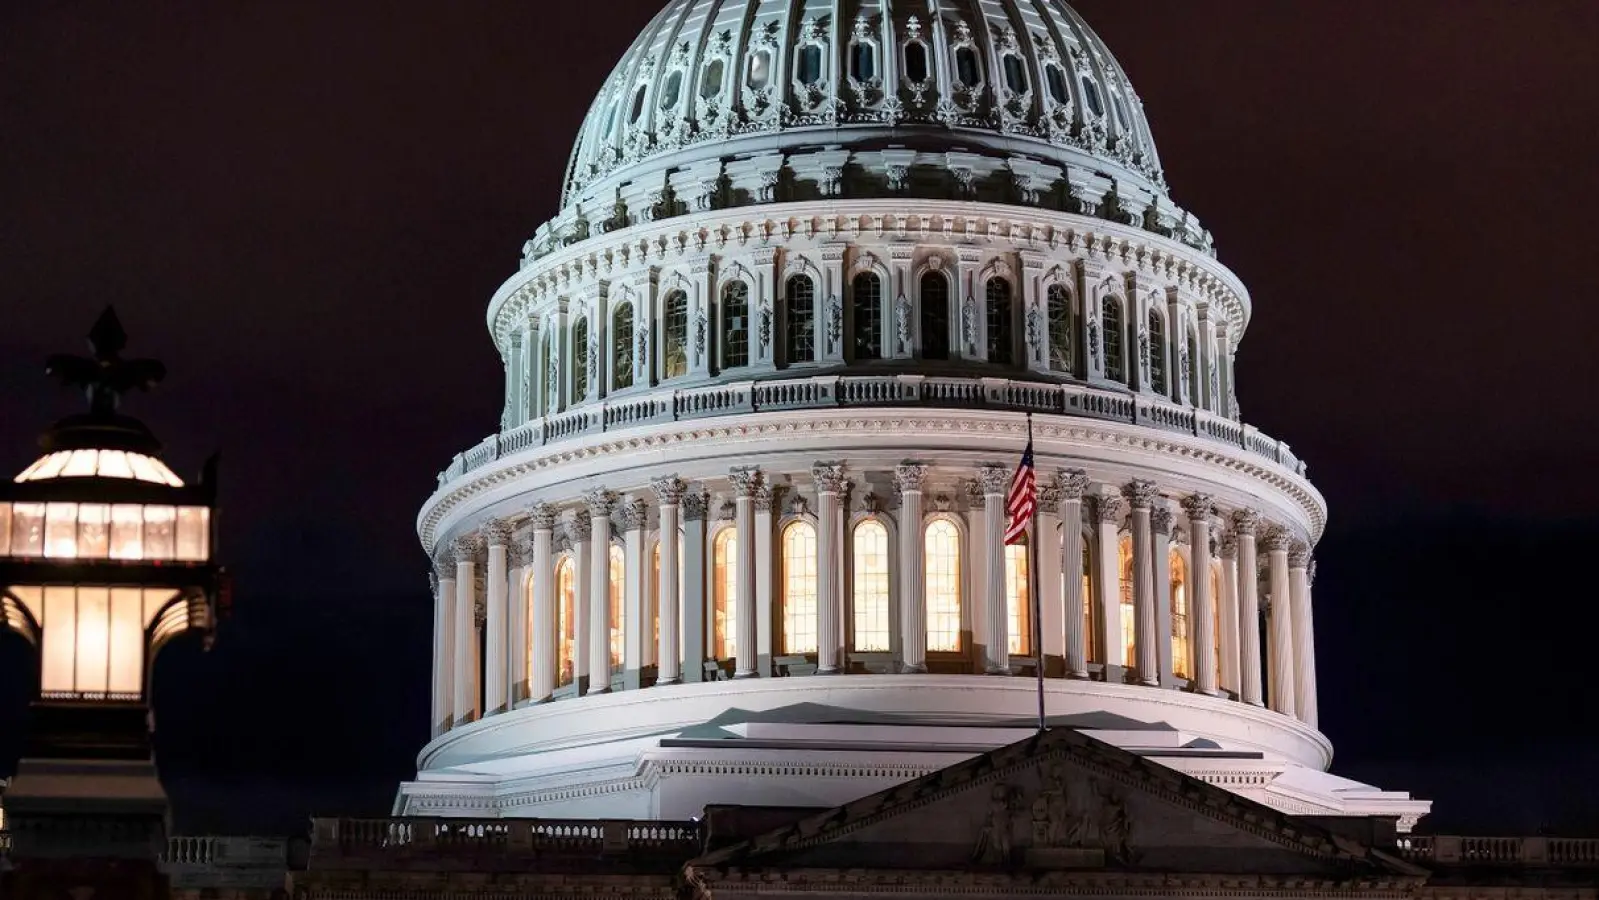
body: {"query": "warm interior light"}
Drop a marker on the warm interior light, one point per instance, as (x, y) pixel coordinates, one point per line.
(94, 637)
(104, 463)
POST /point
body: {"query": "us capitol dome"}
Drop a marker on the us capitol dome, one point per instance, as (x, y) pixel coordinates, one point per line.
(768, 372)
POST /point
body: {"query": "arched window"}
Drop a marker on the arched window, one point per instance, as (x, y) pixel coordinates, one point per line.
(674, 349)
(760, 73)
(1001, 333)
(711, 79)
(1181, 645)
(565, 622)
(1015, 73)
(735, 325)
(1091, 96)
(1018, 600)
(916, 69)
(622, 347)
(1115, 339)
(944, 594)
(966, 68)
(869, 600)
(867, 291)
(1091, 651)
(724, 587)
(618, 581)
(808, 66)
(580, 359)
(799, 588)
(935, 316)
(799, 314)
(1057, 84)
(862, 61)
(638, 106)
(1159, 369)
(1129, 609)
(1060, 328)
(673, 90)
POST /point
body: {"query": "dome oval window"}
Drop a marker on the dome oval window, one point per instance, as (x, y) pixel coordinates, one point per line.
(638, 106)
(863, 62)
(1057, 84)
(711, 81)
(674, 89)
(1121, 112)
(1015, 74)
(966, 67)
(916, 68)
(808, 68)
(760, 73)
(1091, 97)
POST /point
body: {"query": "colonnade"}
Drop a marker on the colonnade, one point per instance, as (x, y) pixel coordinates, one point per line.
(774, 574)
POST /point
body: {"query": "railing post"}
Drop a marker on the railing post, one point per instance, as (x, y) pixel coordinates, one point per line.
(1446, 849)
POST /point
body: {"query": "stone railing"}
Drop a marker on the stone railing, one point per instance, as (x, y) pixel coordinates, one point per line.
(864, 391)
(357, 839)
(1501, 851)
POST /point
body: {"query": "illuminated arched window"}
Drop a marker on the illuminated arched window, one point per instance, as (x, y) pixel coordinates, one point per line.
(867, 300)
(1001, 330)
(724, 587)
(1159, 369)
(580, 359)
(1091, 650)
(1129, 610)
(1181, 646)
(622, 347)
(1060, 328)
(870, 587)
(735, 337)
(799, 588)
(674, 335)
(1114, 336)
(565, 622)
(944, 595)
(935, 316)
(618, 609)
(1018, 600)
(799, 319)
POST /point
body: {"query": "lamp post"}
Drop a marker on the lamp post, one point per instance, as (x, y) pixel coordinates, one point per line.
(106, 556)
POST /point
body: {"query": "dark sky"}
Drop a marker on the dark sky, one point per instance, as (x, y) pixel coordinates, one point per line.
(303, 208)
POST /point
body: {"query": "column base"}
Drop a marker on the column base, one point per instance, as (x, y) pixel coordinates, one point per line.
(833, 671)
(1078, 676)
(667, 682)
(599, 690)
(740, 676)
(906, 669)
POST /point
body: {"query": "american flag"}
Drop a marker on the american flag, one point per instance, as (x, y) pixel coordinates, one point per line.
(1023, 498)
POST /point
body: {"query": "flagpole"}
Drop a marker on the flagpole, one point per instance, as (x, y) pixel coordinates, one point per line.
(1032, 590)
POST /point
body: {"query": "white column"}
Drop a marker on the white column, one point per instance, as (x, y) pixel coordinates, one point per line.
(496, 678)
(669, 492)
(465, 679)
(1161, 519)
(1051, 607)
(1073, 483)
(766, 569)
(1141, 496)
(994, 480)
(579, 532)
(696, 597)
(910, 478)
(1304, 653)
(540, 634)
(1108, 512)
(443, 641)
(636, 623)
(830, 486)
(520, 563)
(1280, 623)
(600, 504)
(1229, 614)
(1199, 508)
(1245, 523)
(745, 481)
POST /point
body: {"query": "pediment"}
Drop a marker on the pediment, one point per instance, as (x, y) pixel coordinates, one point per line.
(1057, 802)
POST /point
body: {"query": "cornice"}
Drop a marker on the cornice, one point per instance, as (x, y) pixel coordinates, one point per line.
(1087, 883)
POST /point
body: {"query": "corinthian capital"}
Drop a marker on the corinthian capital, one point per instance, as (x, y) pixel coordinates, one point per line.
(1108, 508)
(695, 505)
(1050, 496)
(1246, 522)
(1141, 494)
(669, 490)
(745, 480)
(1227, 547)
(993, 479)
(634, 515)
(830, 478)
(579, 529)
(467, 548)
(765, 493)
(910, 477)
(543, 516)
(1276, 538)
(601, 502)
(497, 532)
(1199, 507)
(1073, 483)
(1298, 554)
(1161, 518)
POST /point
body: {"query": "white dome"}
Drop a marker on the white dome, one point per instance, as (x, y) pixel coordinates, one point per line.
(723, 103)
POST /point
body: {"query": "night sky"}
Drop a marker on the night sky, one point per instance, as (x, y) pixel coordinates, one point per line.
(304, 207)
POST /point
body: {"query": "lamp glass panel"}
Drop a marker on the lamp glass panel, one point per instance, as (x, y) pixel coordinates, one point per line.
(160, 532)
(127, 532)
(154, 599)
(5, 529)
(94, 531)
(27, 529)
(53, 464)
(126, 664)
(57, 672)
(93, 650)
(192, 533)
(81, 463)
(114, 464)
(61, 530)
(144, 468)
